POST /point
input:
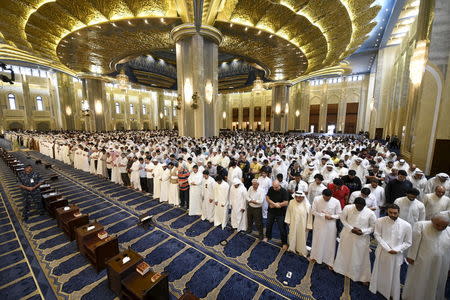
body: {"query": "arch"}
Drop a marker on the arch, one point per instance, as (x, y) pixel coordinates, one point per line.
(134, 125)
(315, 100)
(120, 126)
(15, 126)
(146, 126)
(43, 126)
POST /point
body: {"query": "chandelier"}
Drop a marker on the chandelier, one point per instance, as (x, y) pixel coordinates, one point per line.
(122, 80)
(258, 85)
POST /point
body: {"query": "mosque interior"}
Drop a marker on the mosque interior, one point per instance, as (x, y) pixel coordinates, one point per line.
(375, 67)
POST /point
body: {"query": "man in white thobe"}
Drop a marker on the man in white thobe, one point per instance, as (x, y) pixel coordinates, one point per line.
(378, 192)
(234, 172)
(221, 202)
(428, 260)
(418, 181)
(255, 199)
(157, 173)
(165, 182)
(134, 176)
(353, 259)
(315, 188)
(208, 205)
(411, 209)
(394, 237)
(174, 195)
(195, 192)
(238, 202)
(440, 179)
(265, 183)
(299, 218)
(436, 202)
(326, 210)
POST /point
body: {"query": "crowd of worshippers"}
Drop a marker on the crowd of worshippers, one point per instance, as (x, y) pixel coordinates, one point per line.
(338, 188)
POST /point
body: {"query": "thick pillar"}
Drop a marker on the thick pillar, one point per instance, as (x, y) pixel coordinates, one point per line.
(280, 106)
(197, 75)
(94, 93)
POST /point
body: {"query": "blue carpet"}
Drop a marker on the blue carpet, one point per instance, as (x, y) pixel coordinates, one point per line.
(149, 240)
(269, 295)
(171, 214)
(238, 245)
(131, 234)
(7, 237)
(164, 252)
(61, 239)
(11, 258)
(140, 200)
(183, 221)
(238, 288)
(297, 265)
(216, 236)
(199, 228)
(61, 252)
(85, 277)
(69, 265)
(359, 291)
(101, 291)
(262, 256)
(9, 246)
(13, 273)
(207, 278)
(47, 233)
(123, 225)
(183, 263)
(334, 282)
(18, 289)
(159, 209)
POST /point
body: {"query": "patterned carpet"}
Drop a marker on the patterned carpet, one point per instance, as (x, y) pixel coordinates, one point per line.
(187, 249)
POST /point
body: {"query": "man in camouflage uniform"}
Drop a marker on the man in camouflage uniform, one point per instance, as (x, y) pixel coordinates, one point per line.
(29, 182)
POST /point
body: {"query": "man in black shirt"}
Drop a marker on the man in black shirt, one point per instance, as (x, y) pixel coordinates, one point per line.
(352, 181)
(398, 187)
(278, 200)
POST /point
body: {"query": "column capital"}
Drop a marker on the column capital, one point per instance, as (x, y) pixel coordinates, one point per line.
(280, 83)
(185, 30)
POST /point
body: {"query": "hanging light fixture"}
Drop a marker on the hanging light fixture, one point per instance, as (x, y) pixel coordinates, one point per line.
(258, 85)
(418, 62)
(122, 80)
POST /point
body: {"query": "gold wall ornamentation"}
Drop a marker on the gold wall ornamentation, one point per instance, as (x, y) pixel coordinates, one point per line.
(289, 38)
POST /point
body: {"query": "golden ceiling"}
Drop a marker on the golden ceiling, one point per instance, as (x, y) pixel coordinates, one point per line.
(289, 38)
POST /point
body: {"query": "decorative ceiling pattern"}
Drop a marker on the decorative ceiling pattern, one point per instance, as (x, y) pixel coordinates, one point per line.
(288, 38)
(159, 70)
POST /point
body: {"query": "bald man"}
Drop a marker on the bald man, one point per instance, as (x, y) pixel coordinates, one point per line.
(436, 202)
(428, 259)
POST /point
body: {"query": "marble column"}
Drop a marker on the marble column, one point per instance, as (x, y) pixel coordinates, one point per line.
(94, 93)
(280, 106)
(197, 75)
(66, 97)
(323, 109)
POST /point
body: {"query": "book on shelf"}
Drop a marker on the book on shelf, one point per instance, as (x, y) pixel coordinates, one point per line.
(143, 268)
(102, 235)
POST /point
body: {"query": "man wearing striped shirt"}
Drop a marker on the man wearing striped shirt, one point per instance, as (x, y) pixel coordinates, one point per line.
(183, 185)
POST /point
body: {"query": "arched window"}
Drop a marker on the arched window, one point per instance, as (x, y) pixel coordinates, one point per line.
(12, 101)
(131, 109)
(144, 109)
(39, 103)
(117, 107)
